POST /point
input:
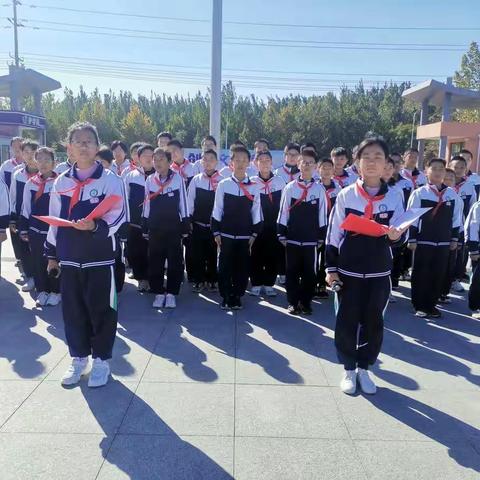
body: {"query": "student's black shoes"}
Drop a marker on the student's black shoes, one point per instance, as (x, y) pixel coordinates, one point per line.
(293, 310)
(224, 305)
(236, 304)
(305, 309)
(434, 313)
(212, 287)
(197, 287)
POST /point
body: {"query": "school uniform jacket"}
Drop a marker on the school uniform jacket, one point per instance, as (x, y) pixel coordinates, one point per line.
(4, 206)
(403, 185)
(186, 170)
(237, 212)
(475, 179)
(287, 173)
(73, 200)
(331, 193)
(358, 255)
(20, 177)
(201, 197)
(63, 167)
(7, 168)
(345, 179)
(353, 172)
(441, 225)
(119, 169)
(302, 218)
(472, 230)
(467, 193)
(135, 188)
(418, 178)
(270, 196)
(36, 201)
(165, 207)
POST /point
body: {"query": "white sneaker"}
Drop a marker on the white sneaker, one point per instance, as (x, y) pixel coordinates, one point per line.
(143, 286)
(99, 374)
(348, 384)
(456, 287)
(366, 383)
(54, 299)
(159, 301)
(476, 314)
(41, 300)
(29, 285)
(255, 291)
(421, 314)
(75, 371)
(270, 292)
(282, 279)
(170, 301)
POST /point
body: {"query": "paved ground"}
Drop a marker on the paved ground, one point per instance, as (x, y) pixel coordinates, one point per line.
(199, 393)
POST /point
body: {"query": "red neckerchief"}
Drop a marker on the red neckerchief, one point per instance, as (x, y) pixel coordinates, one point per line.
(439, 196)
(339, 178)
(305, 189)
(181, 168)
(289, 172)
(119, 168)
(459, 185)
(327, 195)
(371, 199)
(244, 189)
(40, 182)
(161, 186)
(212, 180)
(267, 187)
(411, 177)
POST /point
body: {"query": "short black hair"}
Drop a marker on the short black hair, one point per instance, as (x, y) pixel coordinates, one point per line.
(237, 143)
(391, 161)
(460, 158)
(30, 143)
(105, 153)
(15, 139)
(292, 146)
(165, 153)
(308, 145)
(135, 146)
(339, 152)
(450, 170)
(47, 150)
(436, 160)
(118, 143)
(239, 149)
(164, 134)
(264, 152)
(210, 138)
(411, 150)
(309, 153)
(175, 143)
(144, 147)
(261, 140)
(82, 126)
(210, 151)
(372, 141)
(325, 160)
(464, 150)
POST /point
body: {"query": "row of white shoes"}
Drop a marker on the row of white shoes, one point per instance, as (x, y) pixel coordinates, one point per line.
(99, 373)
(164, 301)
(48, 299)
(350, 379)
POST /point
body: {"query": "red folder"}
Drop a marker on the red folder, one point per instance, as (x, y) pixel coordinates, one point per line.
(98, 212)
(363, 226)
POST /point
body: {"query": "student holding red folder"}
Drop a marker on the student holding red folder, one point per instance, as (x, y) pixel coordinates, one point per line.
(360, 264)
(86, 254)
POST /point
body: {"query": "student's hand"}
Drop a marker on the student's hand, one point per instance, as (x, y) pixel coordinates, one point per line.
(218, 240)
(52, 265)
(453, 245)
(13, 228)
(24, 237)
(412, 246)
(84, 224)
(475, 258)
(3, 236)
(331, 278)
(394, 233)
(250, 242)
(283, 241)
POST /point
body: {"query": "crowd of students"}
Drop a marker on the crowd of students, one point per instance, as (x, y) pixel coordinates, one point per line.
(226, 225)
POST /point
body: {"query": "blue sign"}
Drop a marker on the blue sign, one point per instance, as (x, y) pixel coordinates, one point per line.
(22, 119)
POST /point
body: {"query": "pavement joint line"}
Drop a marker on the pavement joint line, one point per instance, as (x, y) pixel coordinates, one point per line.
(235, 344)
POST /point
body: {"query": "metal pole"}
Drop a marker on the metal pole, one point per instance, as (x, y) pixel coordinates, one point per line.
(413, 128)
(216, 70)
(15, 32)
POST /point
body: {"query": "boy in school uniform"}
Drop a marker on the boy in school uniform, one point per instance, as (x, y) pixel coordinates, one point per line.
(410, 169)
(339, 156)
(208, 143)
(471, 176)
(302, 222)
(432, 237)
(325, 170)
(120, 152)
(137, 245)
(134, 162)
(266, 249)
(360, 266)
(36, 200)
(236, 221)
(201, 197)
(472, 239)
(4, 214)
(20, 177)
(86, 254)
(165, 221)
(289, 171)
(163, 138)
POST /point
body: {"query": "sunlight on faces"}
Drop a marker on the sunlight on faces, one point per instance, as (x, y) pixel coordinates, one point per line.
(240, 163)
(161, 163)
(410, 159)
(177, 154)
(264, 165)
(388, 171)
(436, 173)
(28, 157)
(208, 145)
(372, 162)
(146, 160)
(83, 148)
(339, 162)
(459, 167)
(261, 147)
(16, 149)
(45, 163)
(119, 155)
(468, 159)
(325, 170)
(449, 179)
(398, 163)
(134, 155)
(291, 157)
(306, 166)
(209, 162)
(163, 142)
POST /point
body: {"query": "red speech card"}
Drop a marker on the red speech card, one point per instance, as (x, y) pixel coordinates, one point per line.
(363, 226)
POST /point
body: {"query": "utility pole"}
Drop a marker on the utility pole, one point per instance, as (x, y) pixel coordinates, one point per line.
(15, 24)
(216, 71)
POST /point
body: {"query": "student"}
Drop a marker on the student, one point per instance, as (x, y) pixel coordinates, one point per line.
(163, 138)
(208, 143)
(236, 221)
(353, 170)
(332, 189)
(201, 197)
(20, 177)
(4, 213)
(360, 265)
(466, 191)
(472, 237)
(137, 251)
(120, 152)
(105, 157)
(261, 145)
(301, 228)
(472, 177)
(266, 249)
(134, 162)
(339, 156)
(431, 238)
(165, 220)
(289, 171)
(86, 255)
(410, 169)
(36, 200)
(227, 171)
(398, 181)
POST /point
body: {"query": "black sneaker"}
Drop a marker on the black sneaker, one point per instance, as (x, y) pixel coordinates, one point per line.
(434, 313)
(224, 305)
(197, 287)
(306, 309)
(212, 287)
(236, 304)
(293, 310)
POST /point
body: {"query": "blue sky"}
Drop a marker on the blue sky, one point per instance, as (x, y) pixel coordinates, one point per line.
(172, 63)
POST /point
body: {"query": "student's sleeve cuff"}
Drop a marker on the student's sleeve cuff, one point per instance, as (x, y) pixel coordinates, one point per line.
(331, 270)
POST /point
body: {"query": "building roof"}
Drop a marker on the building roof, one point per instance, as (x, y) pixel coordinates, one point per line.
(27, 81)
(434, 91)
